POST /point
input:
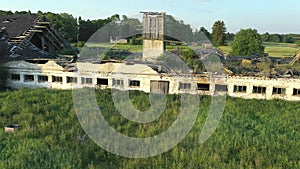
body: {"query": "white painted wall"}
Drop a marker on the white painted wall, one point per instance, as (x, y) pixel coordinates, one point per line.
(145, 74)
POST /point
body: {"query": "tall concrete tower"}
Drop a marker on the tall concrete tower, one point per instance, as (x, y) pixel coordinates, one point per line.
(153, 34)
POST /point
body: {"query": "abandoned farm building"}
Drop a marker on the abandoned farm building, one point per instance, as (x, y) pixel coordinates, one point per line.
(27, 40)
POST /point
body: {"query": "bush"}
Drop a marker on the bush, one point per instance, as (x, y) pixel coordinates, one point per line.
(246, 42)
(80, 44)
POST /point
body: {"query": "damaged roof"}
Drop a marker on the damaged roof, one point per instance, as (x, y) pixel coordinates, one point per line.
(20, 38)
(16, 25)
(6, 53)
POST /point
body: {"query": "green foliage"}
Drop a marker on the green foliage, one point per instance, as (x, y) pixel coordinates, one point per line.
(205, 32)
(65, 23)
(229, 37)
(178, 30)
(80, 44)
(273, 49)
(288, 39)
(5, 13)
(109, 27)
(251, 133)
(247, 42)
(130, 27)
(202, 36)
(101, 30)
(224, 49)
(265, 37)
(277, 38)
(218, 35)
(136, 41)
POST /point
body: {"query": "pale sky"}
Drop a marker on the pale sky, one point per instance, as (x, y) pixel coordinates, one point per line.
(273, 16)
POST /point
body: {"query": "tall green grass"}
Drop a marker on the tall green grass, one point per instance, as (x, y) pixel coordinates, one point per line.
(251, 133)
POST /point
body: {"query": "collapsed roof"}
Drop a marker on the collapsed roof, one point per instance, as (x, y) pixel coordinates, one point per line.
(29, 36)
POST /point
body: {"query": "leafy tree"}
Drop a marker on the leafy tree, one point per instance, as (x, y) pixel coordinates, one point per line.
(205, 32)
(218, 36)
(288, 39)
(202, 35)
(65, 23)
(275, 38)
(265, 37)
(109, 27)
(5, 13)
(22, 12)
(177, 30)
(246, 42)
(229, 36)
(85, 29)
(129, 27)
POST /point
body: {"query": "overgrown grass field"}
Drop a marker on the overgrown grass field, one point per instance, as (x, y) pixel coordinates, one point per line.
(251, 133)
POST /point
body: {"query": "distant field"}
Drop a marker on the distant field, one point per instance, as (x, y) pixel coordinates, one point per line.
(281, 49)
(273, 49)
(130, 48)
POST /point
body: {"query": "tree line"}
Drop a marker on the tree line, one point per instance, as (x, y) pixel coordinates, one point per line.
(77, 30)
(246, 41)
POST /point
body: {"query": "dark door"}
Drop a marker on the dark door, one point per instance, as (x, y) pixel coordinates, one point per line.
(160, 87)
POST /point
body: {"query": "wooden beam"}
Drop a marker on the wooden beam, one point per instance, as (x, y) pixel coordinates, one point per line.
(43, 23)
(35, 30)
(36, 26)
(15, 41)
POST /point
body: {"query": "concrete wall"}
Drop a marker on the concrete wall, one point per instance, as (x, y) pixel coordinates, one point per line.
(286, 83)
(144, 74)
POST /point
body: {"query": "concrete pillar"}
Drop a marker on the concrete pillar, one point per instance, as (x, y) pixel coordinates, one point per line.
(153, 48)
(230, 88)
(269, 91)
(36, 78)
(22, 77)
(249, 88)
(289, 91)
(64, 79)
